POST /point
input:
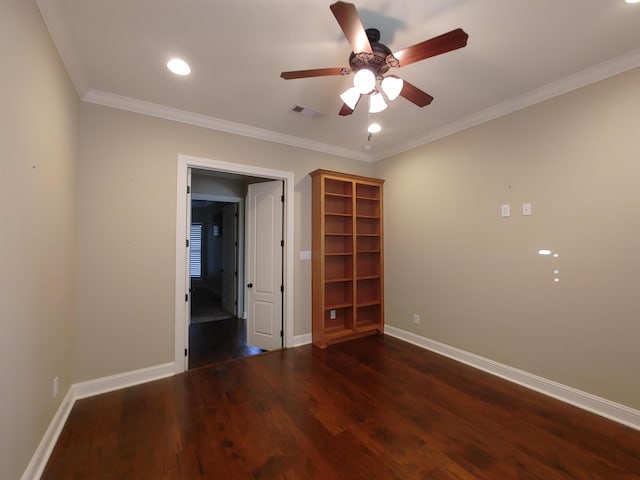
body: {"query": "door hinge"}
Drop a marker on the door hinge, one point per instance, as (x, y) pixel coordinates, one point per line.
(185, 352)
(282, 243)
(282, 198)
(187, 243)
(186, 297)
(188, 188)
(282, 288)
(282, 333)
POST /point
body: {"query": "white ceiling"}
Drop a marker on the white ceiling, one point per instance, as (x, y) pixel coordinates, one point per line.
(519, 52)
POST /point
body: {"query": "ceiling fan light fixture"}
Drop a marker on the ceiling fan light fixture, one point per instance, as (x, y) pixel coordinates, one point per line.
(364, 81)
(350, 98)
(392, 86)
(374, 128)
(376, 103)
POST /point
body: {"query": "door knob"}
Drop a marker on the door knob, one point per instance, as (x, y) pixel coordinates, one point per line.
(249, 285)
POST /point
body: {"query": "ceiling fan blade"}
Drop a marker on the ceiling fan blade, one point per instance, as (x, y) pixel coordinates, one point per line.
(346, 110)
(430, 48)
(350, 23)
(317, 72)
(415, 95)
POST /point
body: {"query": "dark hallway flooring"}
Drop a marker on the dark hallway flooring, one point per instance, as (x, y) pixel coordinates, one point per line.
(218, 341)
(215, 336)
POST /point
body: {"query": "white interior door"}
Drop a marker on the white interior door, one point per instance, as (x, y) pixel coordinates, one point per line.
(229, 257)
(264, 265)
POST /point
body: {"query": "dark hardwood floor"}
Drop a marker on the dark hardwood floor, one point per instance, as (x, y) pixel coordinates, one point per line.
(216, 341)
(215, 335)
(373, 408)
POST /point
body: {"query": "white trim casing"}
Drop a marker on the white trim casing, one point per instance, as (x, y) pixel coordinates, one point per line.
(82, 390)
(300, 340)
(586, 401)
(606, 408)
(569, 83)
(41, 456)
(121, 380)
(183, 164)
(129, 104)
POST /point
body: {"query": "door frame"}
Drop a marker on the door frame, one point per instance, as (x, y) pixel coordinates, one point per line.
(185, 162)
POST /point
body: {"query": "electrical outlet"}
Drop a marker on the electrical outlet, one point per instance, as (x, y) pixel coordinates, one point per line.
(55, 387)
(416, 319)
(332, 314)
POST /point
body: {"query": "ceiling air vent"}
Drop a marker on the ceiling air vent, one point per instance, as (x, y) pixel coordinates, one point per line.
(305, 112)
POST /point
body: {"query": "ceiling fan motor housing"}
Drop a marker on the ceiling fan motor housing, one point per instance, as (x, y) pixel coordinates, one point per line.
(379, 62)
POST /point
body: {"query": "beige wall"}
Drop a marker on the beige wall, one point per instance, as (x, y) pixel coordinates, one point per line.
(476, 279)
(38, 124)
(107, 211)
(126, 231)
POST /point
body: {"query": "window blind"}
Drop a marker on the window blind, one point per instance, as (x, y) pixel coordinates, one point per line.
(195, 258)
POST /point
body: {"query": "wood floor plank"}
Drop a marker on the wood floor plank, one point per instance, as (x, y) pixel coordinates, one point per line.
(373, 408)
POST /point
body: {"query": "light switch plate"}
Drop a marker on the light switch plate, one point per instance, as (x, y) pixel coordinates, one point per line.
(526, 209)
(505, 210)
(305, 255)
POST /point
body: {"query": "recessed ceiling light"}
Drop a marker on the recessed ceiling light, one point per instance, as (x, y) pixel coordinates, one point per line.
(374, 128)
(178, 66)
(632, 1)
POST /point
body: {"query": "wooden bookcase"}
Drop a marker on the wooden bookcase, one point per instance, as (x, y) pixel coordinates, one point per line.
(347, 257)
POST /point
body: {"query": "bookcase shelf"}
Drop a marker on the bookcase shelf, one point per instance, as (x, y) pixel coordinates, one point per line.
(347, 279)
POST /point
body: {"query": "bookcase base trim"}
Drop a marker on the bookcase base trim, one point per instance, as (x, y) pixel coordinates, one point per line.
(346, 338)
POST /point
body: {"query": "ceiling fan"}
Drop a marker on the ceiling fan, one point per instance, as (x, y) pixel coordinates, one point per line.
(370, 61)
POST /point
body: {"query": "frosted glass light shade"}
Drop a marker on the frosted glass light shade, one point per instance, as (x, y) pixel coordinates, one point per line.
(350, 98)
(392, 86)
(376, 103)
(374, 128)
(364, 81)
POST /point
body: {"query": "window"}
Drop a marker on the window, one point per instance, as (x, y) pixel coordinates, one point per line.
(195, 258)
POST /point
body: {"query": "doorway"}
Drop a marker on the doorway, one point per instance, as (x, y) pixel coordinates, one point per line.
(249, 174)
(217, 330)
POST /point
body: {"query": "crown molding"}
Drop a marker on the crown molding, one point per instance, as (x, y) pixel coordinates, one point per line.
(567, 84)
(52, 18)
(183, 116)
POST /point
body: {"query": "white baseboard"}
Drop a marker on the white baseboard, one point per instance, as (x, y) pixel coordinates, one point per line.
(82, 390)
(592, 403)
(121, 380)
(600, 406)
(41, 456)
(300, 340)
